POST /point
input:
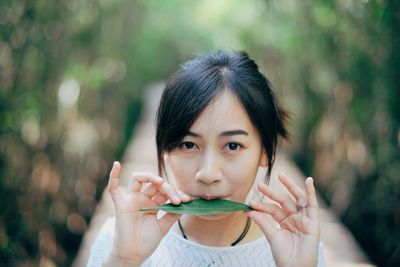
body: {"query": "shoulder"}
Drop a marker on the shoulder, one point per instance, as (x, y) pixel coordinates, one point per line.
(102, 245)
(106, 232)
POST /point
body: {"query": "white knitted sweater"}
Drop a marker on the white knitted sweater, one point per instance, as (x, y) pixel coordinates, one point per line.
(175, 251)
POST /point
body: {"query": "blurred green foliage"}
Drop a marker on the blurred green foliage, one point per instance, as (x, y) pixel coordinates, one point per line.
(72, 74)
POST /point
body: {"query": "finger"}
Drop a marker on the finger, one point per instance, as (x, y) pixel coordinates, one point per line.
(150, 191)
(310, 190)
(294, 189)
(184, 197)
(170, 192)
(266, 223)
(113, 181)
(138, 178)
(162, 187)
(146, 177)
(272, 225)
(167, 221)
(285, 201)
(160, 199)
(272, 209)
(292, 223)
(311, 198)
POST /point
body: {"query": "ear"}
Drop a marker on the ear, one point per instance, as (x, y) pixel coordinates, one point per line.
(263, 159)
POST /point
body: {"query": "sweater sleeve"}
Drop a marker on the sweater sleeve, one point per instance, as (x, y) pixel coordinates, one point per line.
(102, 246)
(321, 255)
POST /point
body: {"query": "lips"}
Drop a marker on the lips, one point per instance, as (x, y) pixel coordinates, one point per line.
(210, 197)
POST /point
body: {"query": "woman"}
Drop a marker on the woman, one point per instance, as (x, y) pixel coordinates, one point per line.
(218, 123)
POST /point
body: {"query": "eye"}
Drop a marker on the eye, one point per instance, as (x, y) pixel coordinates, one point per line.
(188, 145)
(233, 146)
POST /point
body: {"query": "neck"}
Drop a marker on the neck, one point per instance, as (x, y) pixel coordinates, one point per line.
(220, 232)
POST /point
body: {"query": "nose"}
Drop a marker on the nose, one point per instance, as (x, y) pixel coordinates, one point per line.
(209, 171)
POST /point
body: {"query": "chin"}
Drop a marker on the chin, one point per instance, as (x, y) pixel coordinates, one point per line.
(214, 217)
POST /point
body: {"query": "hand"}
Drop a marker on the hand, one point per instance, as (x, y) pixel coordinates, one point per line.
(290, 223)
(137, 234)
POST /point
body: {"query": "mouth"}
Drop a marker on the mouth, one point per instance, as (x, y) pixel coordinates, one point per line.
(211, 197)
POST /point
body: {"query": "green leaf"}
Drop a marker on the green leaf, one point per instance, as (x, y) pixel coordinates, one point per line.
(202, 207)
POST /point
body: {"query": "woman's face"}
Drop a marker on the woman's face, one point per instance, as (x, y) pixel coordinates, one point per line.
(220, 155)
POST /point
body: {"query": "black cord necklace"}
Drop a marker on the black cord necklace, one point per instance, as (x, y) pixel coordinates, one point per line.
(246, 229)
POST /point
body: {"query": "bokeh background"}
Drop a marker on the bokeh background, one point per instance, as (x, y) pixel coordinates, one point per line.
(73, 73)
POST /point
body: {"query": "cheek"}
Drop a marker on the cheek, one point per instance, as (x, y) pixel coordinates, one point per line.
(242, 172)
(183, 171)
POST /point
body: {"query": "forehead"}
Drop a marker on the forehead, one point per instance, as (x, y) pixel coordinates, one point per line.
(224, 113)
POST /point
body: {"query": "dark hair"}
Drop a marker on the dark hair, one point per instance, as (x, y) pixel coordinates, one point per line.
(197, 82)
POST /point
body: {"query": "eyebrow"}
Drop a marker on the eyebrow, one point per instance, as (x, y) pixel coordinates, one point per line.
(223, 134)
